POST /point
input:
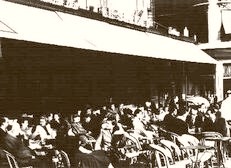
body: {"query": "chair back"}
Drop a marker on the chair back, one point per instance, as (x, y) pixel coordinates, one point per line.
(12, 163)
(210, 134)
(192, 140)
(162, 156)
(174, 137)
(65, 161)
(188, 140)
(175, 150)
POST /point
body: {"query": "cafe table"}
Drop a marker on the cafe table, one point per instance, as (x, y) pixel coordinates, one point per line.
(221, 148)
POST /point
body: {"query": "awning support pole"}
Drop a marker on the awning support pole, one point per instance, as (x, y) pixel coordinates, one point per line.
(219, 81)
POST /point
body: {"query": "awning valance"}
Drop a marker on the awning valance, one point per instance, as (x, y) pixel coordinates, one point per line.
(51, 27)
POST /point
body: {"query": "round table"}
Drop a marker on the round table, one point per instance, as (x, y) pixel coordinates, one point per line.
(219, 142)
(196, 147)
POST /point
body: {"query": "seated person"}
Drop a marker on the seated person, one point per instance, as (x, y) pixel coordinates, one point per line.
(110, 127)
(96, 158)
(43, 131)
(23, 155)
(209, 120)
(170, 117)
(220, 125)
(179, 124)
(3, 132)
(139, 126)
(77, 130)
(26, 130)
(3, 127)
(126, 118)
(112, 133)
(194, 119)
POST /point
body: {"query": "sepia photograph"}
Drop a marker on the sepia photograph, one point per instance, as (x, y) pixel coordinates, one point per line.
(115, 83)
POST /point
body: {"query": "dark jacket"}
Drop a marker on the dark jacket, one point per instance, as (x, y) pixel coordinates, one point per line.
(15, 146)
(220, 126)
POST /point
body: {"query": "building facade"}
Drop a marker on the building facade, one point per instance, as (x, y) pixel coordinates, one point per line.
(73, 60)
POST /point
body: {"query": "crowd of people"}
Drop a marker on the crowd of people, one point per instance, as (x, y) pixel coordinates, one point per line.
(91, 136)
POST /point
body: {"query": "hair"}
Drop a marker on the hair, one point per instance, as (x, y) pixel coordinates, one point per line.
(137, 111)
(172, 108)
(2, 120)
(43, 117)
(22, 119)
(127, 111)
(76, 115)
(211, 108)
(181, 111)
(194, 107)
(111, 116)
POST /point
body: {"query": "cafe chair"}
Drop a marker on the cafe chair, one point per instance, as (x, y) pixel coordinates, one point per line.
(11, 161)
(61, 159)
(173, 137)
(161, 156)
(174, 149)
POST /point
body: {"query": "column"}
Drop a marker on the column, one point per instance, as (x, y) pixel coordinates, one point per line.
(219, 81)
(214, 21)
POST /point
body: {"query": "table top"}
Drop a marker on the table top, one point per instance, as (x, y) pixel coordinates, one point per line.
(196, 147)
(218, 138)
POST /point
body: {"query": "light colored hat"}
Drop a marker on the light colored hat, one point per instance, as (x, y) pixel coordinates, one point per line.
(228, 91)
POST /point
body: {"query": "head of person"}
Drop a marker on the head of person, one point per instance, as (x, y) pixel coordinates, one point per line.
(43, 121)
(211, 113)
(112, 106)
(87, 118)
(138, 113)
(194, 110)
(76, 118)
(3, 122)
(148, 104)
(161, 109)
(128, 112)
(89, 111)
(173, 109)
(176, 99)
(228, 93)
(166, 108)
(56, 116)
(104, 107)
(121, 106)
(15, 129)
(110, 122)
(182, 111)
(24, 122)
(50, 117)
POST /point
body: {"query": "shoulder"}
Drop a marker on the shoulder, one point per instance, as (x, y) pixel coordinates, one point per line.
(38, 128)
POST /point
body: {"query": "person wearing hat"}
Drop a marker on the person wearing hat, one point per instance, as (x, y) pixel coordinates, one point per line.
(226, 107)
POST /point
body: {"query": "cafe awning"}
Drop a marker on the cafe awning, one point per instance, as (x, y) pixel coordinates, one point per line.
(27, 23)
